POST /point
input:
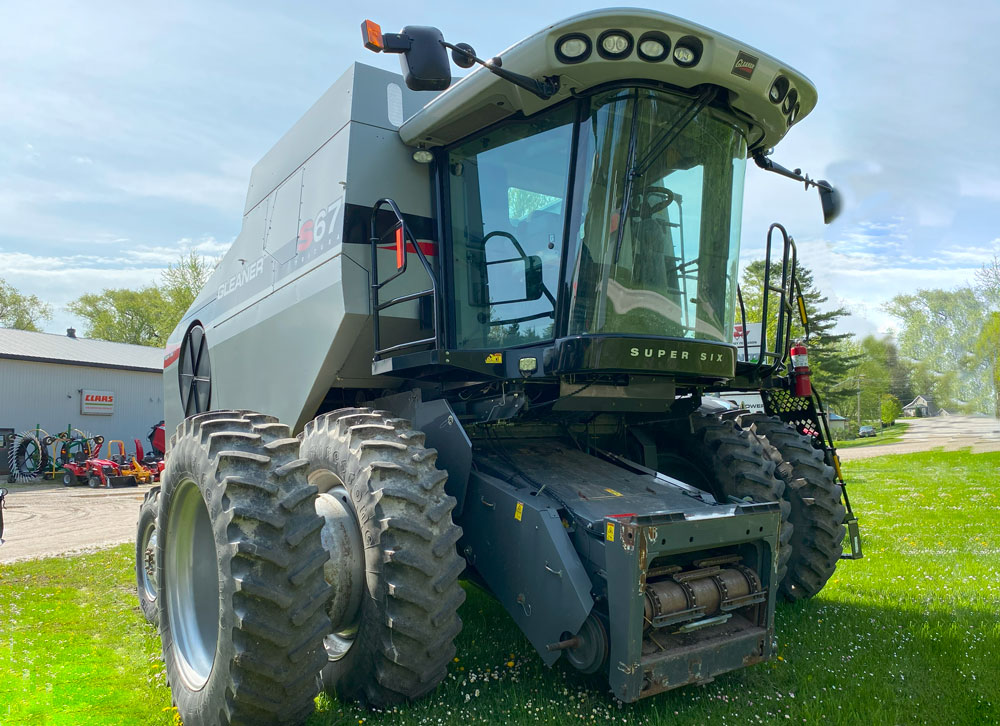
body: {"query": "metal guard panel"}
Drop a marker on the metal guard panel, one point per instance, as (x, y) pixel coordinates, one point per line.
(631, 547)
(593, 488)
(648, 355)
(518, 544)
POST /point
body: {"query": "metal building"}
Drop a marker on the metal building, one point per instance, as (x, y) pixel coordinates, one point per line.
(60, 381)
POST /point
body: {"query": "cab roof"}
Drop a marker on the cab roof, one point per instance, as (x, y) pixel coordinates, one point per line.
(769, 94)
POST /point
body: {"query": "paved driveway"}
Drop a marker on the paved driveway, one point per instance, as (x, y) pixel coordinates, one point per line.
(949, 433)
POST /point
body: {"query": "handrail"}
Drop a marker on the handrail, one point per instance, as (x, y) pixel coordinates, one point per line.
(376, 284)
(768, 361)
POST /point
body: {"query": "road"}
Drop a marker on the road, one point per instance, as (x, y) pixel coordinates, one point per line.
(949, 433)
(45, 519)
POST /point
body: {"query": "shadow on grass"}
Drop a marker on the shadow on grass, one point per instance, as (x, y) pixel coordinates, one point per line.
(841, 661)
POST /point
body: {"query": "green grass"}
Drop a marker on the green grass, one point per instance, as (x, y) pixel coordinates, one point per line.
(884, 436)
(908, 635)
(74, 648)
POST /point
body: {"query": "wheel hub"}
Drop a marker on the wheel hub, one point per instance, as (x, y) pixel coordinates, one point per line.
(149, 564)
(192, 575)
(345, 569)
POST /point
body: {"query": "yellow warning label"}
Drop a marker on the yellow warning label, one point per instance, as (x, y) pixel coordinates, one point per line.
(612, 491)
(494, 358)
(610, 534)
(518, 510)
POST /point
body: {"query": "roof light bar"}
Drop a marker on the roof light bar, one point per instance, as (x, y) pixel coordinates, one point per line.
(688, 51)
(614, 44)
(573, 48)
(653, 47)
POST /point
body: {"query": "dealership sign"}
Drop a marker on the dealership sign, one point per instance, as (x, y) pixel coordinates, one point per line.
(99, 403)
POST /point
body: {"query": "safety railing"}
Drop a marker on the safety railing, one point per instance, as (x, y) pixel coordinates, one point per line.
(769, 358)
(404, 243)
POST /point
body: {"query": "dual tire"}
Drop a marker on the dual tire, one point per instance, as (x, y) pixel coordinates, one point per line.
(815, 508)
(239, 586)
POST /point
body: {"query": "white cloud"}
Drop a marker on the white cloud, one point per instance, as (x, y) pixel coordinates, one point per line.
(220, 190)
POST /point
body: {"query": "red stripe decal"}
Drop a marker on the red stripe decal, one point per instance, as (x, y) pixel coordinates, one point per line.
(173, 353)
(428, 248)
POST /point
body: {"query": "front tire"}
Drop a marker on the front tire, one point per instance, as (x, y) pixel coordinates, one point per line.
(146, 568)
(816, 509)
(720, 457)
(241, 589)
(401, 641)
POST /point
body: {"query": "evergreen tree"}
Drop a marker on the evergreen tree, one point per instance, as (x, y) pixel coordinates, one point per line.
(830, 357)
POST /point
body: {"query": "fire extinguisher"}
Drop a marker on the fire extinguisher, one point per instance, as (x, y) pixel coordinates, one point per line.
(801, 385)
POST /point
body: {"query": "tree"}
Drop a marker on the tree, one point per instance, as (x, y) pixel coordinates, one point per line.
(938, 334)
(181, 284)
(891, 409)
(148, 315)
(124, 316)
(988, 283)
(988, 347)
(830, 355)
(19, 311)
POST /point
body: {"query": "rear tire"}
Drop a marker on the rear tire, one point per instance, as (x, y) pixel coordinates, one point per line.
(724, 459)
(145, 557)
(69, 479)
(241, 589)
(816, 509)
(407, 621)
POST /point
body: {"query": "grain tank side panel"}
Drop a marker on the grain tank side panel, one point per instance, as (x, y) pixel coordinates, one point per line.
(286, 313)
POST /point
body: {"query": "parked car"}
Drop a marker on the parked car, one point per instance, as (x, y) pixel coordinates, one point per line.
(866, 431)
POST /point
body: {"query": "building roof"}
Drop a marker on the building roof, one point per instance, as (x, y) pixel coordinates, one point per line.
(923, 401)
(52, 348)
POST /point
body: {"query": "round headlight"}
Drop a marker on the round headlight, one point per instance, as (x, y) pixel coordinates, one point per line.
(573, 48)
(423, 156)
(654, 46)
(688, 51)
(778, 89)
(614, 44)
(790, 99)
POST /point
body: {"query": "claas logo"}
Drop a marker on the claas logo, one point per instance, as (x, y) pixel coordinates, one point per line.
(94, 398)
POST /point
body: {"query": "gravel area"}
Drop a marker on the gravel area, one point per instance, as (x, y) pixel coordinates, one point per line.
(46, 519)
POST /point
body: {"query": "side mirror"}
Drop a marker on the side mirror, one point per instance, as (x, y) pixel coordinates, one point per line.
(831, 201)
(533, 284)
(425, 65)
(514, 280)
(423, 56)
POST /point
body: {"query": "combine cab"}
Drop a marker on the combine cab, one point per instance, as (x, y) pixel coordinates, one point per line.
(478, 320)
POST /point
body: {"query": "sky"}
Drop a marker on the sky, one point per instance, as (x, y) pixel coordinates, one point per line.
(128, 130)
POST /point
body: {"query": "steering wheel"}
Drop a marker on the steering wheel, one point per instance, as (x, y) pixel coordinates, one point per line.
(668, 199)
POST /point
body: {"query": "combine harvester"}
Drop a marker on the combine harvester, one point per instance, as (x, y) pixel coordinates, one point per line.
(478, 319)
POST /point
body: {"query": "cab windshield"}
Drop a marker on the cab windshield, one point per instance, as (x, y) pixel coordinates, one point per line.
(644, 240)
(662, 261)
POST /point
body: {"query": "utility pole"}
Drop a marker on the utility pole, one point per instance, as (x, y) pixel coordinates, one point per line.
(859, 400)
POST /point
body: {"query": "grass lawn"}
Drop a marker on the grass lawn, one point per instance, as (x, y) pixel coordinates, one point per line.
(891, 435)
(908, 635)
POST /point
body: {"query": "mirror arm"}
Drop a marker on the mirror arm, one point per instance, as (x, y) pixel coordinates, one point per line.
(767, 165)
(544, 89)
